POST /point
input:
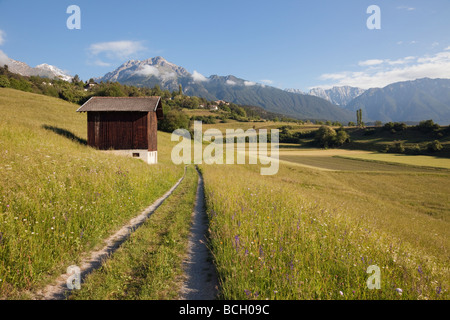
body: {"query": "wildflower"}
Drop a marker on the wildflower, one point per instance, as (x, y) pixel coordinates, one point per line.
(419, 269)
(247, 292)
(400, 291)
(341, 293)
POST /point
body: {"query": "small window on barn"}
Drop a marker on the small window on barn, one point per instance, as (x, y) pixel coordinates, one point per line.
(136, 155)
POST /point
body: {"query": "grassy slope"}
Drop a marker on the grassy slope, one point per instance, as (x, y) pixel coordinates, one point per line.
(58, 197)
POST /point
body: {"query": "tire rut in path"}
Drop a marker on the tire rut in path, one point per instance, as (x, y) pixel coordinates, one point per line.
(59, 291)
(201, 281)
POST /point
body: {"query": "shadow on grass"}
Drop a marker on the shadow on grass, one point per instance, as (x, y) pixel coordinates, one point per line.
(66, 134)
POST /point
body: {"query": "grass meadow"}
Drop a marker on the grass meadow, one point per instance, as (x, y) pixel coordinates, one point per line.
(148, 265)
(311, 234)
(58, 197)
(303, 233)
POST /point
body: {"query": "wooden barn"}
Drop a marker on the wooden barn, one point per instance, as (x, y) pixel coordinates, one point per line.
(127, 125)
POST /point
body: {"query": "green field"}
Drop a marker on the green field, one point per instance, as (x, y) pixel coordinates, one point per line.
(417, 160)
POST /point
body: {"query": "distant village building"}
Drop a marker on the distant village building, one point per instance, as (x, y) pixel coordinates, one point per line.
(90, 85)
(124, 125)
(213, 107)
(219, 102)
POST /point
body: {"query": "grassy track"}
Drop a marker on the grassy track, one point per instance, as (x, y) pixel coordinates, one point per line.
(309, 234)
(58, 197)
(149, 263)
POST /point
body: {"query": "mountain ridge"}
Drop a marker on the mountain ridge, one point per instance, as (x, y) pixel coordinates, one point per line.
(230, 88)
(412, 101)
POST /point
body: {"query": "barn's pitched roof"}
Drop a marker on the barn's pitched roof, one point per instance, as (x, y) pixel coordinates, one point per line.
(138, 104)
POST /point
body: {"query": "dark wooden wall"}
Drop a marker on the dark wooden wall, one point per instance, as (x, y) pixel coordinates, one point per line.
(121, 130)
(152, 131)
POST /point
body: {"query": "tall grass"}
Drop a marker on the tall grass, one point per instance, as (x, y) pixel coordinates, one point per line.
(149, 264)
(290, 237)
(58, 197)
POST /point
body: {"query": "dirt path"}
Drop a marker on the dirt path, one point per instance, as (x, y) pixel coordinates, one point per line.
(58, 290)
(201, 280)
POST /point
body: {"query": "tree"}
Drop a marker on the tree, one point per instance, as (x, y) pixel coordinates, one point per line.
(180, 90)
(378, 123)
(4, 82)
(325, 136)
(174, 119)
(427, 126)
(434, 146)
(341, 137)
(351, 124)
(359, 122)
(76, 79)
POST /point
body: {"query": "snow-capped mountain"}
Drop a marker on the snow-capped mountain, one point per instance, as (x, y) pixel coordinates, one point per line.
(148, 73)
(158, 71)
(42, 70)
(292, 90)
(340, 96)
(52, 72)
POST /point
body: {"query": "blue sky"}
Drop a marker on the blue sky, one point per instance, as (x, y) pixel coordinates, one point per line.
(287, 44)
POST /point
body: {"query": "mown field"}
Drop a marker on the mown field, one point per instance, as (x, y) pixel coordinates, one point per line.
(352, 163)
(58, 197)
(312, 234)
(410, 160)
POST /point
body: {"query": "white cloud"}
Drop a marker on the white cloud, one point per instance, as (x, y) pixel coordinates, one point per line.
(101, 63)
(406, 8)
(231, 82)
(400, 61)
(4, 59)
(148, 71)
(266, 81)
(117, 49)
(372, 62)
(168, 76)
(198, 77)
(390, 71)
(249, 83)
(448, 48)
(2, 37)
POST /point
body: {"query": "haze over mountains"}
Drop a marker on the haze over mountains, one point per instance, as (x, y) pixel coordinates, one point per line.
(409, 101)
(414, 101)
